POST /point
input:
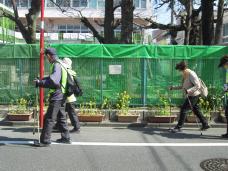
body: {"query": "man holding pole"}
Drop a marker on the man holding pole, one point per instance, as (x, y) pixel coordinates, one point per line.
(56, 82)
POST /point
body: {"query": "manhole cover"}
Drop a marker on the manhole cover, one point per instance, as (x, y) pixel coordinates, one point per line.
(218, 164)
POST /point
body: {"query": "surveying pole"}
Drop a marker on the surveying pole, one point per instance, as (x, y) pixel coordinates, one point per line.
(41, 62)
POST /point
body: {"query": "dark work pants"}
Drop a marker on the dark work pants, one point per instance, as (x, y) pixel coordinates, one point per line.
(196, 110)
(70, 109)
(55, 108)
(226, 114)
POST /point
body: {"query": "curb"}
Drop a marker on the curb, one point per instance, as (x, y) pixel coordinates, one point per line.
(115, 124)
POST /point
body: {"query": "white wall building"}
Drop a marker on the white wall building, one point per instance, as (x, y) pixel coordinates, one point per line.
(67, 27)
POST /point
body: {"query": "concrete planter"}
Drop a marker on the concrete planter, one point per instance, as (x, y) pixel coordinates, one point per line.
(90, 118)
(127, 118)
(19, 117)
(192, 119)
(161, 119)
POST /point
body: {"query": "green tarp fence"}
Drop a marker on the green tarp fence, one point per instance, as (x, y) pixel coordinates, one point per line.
(144, 71)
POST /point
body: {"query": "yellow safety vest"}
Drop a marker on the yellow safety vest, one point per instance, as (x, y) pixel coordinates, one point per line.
(63, 79)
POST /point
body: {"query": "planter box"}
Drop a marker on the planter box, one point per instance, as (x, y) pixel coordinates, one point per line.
(192, 119)
(161, 119)
(90, 118)
(127, 118)
(19, 117)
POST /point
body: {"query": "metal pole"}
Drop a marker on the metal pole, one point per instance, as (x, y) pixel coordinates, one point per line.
(42, 63)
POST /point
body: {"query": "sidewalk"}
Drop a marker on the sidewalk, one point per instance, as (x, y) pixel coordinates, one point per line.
(113, 124)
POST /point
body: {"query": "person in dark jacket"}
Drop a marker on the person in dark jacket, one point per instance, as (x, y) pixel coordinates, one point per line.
(56, 82)
(224, 63)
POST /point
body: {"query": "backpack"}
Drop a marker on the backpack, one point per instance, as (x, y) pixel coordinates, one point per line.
(72, 84)
(203, 88)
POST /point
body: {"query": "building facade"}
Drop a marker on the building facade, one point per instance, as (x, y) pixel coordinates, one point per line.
(66, 27)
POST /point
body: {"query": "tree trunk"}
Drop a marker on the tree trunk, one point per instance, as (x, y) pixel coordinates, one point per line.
(127, 10)
(219, 24)
(207, 21)
(108, 22)
(189, 8)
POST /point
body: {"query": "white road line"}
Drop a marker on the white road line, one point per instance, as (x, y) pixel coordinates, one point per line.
(126, 144)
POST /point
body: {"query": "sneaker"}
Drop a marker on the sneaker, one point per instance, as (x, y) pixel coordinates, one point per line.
(176, 130)
(75, 130)
(41, 144)
(64, 141)
(205, 127)
(225, 135)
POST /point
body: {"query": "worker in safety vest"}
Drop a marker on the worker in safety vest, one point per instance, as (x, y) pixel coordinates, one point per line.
(224, 64)
(56, 82)
(70, 102)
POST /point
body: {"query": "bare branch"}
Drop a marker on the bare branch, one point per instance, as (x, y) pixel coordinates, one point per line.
(155, 25)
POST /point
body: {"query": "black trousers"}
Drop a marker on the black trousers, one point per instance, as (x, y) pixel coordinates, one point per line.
(55, 108)
(196, 110)
(226, 114)
(70, 109)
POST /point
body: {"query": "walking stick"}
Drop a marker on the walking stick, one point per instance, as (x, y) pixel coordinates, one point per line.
(190, 104)
(36, 117)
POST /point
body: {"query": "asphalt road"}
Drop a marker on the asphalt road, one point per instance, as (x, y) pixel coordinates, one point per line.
(112, 157)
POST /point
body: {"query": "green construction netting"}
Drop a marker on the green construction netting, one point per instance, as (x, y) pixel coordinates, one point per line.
(144, 71)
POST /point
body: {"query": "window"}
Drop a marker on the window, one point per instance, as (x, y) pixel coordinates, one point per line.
(62, 28)
(23, 3)
(93, 4)
(63, 3)
(225, 29)
(136, 3)
(143, 3)
(1, 1)
(49, 3)
(101, 3)
(140, 3)
(8, 3)
(79, 3)
(70, 28)
(84, 29)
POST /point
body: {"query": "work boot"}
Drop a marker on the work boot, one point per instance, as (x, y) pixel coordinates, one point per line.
(205, 127)
(41, 144)
(225, 135)
(75, 130)
(64, 141)
(176, 129)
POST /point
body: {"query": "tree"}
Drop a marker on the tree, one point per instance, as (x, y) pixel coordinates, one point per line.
(207, 21)
(28, 30)
(110, 23)
(127, 18)
(199, 29)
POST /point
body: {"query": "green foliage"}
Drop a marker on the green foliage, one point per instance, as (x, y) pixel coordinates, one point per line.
(123, 101)
(20, 108)
(163, 104)
(89, 108)
(107, 104)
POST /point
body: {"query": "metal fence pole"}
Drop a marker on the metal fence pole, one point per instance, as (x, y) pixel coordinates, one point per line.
(101, 72)
(143, 82)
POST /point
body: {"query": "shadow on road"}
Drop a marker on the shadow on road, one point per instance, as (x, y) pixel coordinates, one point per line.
(165, 133)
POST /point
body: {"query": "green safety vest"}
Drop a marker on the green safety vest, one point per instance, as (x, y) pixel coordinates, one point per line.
(63, 79)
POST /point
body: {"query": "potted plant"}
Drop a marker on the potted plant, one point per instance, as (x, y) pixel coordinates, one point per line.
(89, 113)
(162, 113)
(20, 111)
(122, 105)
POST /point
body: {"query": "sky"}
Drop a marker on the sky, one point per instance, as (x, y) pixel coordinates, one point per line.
(163, 16)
